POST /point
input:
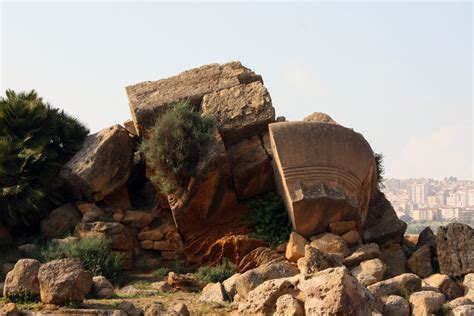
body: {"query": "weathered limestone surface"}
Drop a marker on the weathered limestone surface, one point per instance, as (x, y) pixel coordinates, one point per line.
(149, 100)
(23, 278)
(327, 177)
(241, 111)
(455, 247)
(102, 165)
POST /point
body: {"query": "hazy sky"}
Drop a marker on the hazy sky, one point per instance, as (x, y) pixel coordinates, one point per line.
(400, 73)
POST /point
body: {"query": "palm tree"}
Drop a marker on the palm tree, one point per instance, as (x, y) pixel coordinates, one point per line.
(35, 141)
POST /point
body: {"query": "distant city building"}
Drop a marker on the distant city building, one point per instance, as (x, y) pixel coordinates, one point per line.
(432, 201)
(419, 193)
(427, 214)
(441, 198)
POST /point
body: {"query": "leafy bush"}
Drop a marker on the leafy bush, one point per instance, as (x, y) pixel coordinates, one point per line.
(178, 266)
(217, 273)
(24, 297)
(380, 170)
(35, 141)
(95, 254)
(173, 148)
(269, 218)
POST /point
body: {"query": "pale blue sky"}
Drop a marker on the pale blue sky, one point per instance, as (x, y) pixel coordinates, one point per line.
(400, 73)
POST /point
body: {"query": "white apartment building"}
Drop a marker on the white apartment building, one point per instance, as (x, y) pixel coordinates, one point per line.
(419, 193)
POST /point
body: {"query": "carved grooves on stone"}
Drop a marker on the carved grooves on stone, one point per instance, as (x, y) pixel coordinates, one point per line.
(321, 173)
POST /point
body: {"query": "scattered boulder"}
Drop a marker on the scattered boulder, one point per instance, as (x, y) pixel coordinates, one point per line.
(330, 244)
(102, 287)
(230, 286)
(426, 238)
(287, 305)
(63, 281)
(60, 221)
(249, 280)
(369, 272)
(468, 284)
(23, 278)
(401, 285)
(426, 302)
(382, 222)
(213, 293)
(179, 309)
(10, 309)
(340, 228)
(154, 309)
(162, 287)
(455, 248)
(130, 309)
(352, 238)
(394, 257)
(445, 285)
(319, 117)
(325, 178)
(262, 299)
(463, 300)
(395, 305)
(296, 247)
(102, 165)
(420, 262)
(362, 253)
(185, 282)
(315, 260)
(257, 257)
(335, 291)
(463, 310)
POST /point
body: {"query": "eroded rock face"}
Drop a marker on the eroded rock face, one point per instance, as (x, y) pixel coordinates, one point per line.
(241, 111)
(102, 165)
(445, 285)
(63, 280)
(257, 257)
(251, 167)
(23, 278)
(420, 262)
(149, 100)
(455, 247)
(324, 172)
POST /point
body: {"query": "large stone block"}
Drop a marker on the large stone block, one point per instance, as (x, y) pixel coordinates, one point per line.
(240, 111)
(209, 197)
(324, 172)
(149, 100)
(455, 247)
(102, 165)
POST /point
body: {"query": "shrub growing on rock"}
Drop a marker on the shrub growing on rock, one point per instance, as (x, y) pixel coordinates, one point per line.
(95, 254)
(380, 170)
(35, 141)
(173, 148)
(269, 218)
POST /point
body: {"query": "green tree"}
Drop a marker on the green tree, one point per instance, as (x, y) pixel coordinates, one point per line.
(35, 141)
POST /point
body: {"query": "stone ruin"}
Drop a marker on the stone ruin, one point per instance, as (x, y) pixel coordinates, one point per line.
(324, 172)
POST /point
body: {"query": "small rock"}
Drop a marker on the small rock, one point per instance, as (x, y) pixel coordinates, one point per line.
(10, 309)
(131, 310)
(460, 301)
(287, 305)
(315, 260)
(213, 293)
(426, 238)
(394, 257)
(230, 286)
(445, 285)
(138, 219)
(401, 285)
(395, 305)
(281, 248)
(28, 249)
(180, 309)
(340, 228)
(102, 287)
(463, 310)
(426, 302)
(362, 253)
(154, 309)
(162, 287)
(468, 284)
(295, 247)
(330, 243)
(369, 272)
(60, 221)
(184, 282)
(352, 238)
(420, 262)
(146, 244)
